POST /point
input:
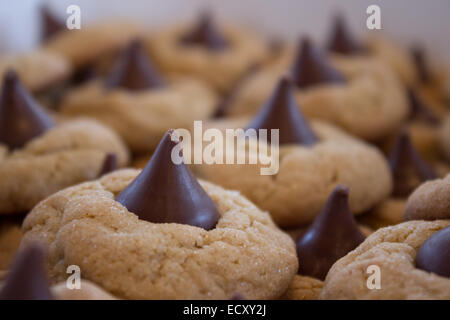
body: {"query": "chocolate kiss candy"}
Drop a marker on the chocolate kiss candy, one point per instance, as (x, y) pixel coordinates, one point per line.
(50, 24)
(282, 112)
(21, 118)
(27, 279)
(109, 164)
(165, 192)
(311, 67)
(423, 72)
(341, 41)
(434, 253)
(206, 34)
(419, 110)
(133, 70)
(407, 166)
(333, 234)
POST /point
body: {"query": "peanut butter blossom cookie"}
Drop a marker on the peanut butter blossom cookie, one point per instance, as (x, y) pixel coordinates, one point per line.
(161, 234)
(134, 95)
(218, 55)
(331, 236)
(358, 93)
(413, 257)
(39, 157)
(313, 160)
(409, 170)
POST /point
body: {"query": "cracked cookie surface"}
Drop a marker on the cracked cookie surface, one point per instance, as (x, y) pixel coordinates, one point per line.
(307, 175)
(393, 250)
(136, 259)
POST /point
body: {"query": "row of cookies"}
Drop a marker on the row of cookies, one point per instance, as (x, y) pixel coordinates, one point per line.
(315, 158)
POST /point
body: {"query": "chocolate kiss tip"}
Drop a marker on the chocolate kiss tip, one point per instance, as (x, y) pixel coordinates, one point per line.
(434, 254)
(341, 41)
(50, 24)
(332, 235)
(27, 279)
(205, 33)
(405, 161)
(165, 192)
(418, 108)
(21, 117)
(133, 70)
(282, 112)
(311, 67)
(109, 164)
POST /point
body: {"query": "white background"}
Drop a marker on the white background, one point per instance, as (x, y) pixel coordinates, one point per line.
(406, 21)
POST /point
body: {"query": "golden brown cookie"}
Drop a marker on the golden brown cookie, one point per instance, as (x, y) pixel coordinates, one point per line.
(430, 201)
(141, 118)
(64, 155)
(136, 259)
(393, 250)
(307, 175)
(220, 67)
(38, 69)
